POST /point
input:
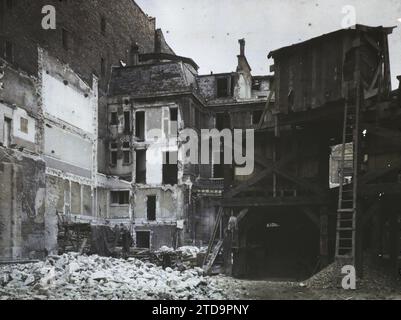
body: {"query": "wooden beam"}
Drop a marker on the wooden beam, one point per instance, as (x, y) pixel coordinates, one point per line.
(259, 177)
(258, 158)
(302, 182)
(267, 107)
(372, 42)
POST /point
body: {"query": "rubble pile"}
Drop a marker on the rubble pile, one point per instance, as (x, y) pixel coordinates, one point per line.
(181, 259)
(374, 278)
(328, 278)
(75, 277)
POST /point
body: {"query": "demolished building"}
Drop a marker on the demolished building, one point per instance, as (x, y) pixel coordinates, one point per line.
(91, 131)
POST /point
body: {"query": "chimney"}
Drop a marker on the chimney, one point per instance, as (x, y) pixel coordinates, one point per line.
(134, 55)
(242, 47)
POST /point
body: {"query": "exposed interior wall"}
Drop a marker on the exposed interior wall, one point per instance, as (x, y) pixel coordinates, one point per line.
(70, 111)
(22, 206)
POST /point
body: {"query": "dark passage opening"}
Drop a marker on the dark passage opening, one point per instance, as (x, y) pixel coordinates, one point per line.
(279, 245)
(141, 166)
(140, 125)
(151, 204)
(170, 168)
(143, 239)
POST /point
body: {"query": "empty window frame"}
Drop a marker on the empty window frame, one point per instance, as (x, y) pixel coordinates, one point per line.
(141, 166)
(113, 153)
(151, 208)
(256, 85)
(224, 87)
(127, 156)
(140, 125)
(102, 67)
(23, 125)
(218, 165)
(127, 122)
(119, 197)
(256, 117)
(170, 122)
(170, 168)
(143, 239)
(7, 132)
(173, 121)
(222, 121)
(113, 118)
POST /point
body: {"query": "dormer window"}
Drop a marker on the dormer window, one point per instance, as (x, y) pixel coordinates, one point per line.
(224, 88)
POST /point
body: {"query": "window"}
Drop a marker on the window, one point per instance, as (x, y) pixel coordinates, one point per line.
(143, 239)
(65, 39)
(119, 197)
(103, 25)
(126, 153)
(102, 67)
(170, 168)
(9, 4)
(127, 122)
(173, 121)
(140, 125)
(256, 85)
(170, 122)
(9, 51)
(114, 118)
(141, 166)
(7, 132)
(223, 87)
(256, 117)
(173, 114)
(151, 208)
(24, 125)
(113, 154)
(291, 100)
(221, 120)
(218, 166)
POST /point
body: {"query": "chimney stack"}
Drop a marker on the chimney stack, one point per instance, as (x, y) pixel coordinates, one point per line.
(242, 47)
(134, 55)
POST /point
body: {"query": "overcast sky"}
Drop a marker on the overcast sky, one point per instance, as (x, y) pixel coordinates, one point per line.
(208, 30)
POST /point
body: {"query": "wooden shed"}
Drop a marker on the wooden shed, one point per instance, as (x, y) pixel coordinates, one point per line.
(316, 72)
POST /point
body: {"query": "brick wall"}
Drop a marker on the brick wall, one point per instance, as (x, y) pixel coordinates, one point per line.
(81, 20)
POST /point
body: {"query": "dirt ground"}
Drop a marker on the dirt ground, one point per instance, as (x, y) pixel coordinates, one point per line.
(275, 290)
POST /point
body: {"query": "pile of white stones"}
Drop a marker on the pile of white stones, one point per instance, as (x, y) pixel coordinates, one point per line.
(76, 277)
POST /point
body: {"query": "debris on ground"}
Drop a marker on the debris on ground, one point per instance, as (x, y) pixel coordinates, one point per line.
(181, 259)
(78, 277)
(374, 278)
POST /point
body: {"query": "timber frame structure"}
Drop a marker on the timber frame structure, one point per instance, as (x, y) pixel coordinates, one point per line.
(315, 83)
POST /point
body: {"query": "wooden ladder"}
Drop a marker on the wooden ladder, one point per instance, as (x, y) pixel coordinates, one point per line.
(213, 249)
(347, 202)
